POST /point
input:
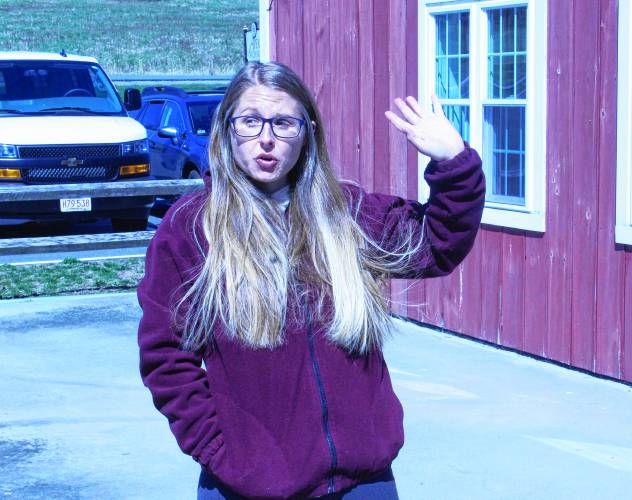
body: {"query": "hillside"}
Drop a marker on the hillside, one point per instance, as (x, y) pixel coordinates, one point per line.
(133, 36)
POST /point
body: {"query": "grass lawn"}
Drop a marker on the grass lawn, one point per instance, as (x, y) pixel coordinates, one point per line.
(134, 36)
(70, 276)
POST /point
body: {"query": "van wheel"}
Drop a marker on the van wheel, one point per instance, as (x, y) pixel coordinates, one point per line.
(127, 225)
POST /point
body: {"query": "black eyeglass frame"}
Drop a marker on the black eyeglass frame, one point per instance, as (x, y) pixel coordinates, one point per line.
(301, 123)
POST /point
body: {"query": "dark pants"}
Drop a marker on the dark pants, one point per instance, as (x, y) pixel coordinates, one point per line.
(380, 488)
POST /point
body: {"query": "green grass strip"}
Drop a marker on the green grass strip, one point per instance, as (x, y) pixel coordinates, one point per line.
(202, 37)
(71, 276)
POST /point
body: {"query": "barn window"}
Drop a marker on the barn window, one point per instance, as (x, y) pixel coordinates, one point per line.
(623, 227)
(487, 64)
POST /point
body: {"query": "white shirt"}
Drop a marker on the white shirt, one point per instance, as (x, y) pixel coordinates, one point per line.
(282, 197)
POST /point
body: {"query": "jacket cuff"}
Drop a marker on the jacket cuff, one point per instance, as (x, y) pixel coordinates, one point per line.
(209, 452)
(463, 158)
(466, 162)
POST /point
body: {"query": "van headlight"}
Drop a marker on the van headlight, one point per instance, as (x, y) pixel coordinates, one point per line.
(135, 147)
(8, 151)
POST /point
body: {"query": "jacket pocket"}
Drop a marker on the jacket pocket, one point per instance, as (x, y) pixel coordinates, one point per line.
(251, 461)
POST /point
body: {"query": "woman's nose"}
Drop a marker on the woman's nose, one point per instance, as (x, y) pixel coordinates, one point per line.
(267, 136)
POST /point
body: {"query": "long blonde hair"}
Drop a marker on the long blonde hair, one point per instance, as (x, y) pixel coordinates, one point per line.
(257, 258)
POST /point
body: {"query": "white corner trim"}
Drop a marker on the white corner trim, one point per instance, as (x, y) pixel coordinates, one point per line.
(264, 31)
(623, 234)
(623, 224)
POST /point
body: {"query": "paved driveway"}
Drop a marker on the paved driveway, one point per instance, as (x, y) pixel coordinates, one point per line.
(481, 424)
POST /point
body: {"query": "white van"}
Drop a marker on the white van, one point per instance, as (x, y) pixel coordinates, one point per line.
(62, 121)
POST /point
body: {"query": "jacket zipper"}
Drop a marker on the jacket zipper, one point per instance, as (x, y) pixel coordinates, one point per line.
(323, 400)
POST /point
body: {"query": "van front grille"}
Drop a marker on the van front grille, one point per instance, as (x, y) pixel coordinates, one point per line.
(70, 151)
(68, 174)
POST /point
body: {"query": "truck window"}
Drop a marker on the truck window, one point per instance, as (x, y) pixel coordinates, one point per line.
(202, 116)
(171, 117)
(151, 116)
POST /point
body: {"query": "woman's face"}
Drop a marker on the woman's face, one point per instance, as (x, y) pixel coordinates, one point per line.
(267, 159)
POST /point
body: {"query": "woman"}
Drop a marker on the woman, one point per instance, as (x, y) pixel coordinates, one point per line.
(272, 278)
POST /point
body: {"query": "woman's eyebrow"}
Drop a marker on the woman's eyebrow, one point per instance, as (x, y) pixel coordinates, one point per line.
(257, 112)
(250, 110)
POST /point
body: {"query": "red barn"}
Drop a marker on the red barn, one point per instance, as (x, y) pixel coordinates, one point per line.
(543, 90)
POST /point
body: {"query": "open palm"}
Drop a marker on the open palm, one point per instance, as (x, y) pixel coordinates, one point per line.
(429, 131)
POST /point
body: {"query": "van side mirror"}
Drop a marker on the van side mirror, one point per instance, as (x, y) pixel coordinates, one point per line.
(132, 99)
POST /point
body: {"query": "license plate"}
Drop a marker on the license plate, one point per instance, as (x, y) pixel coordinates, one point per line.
(75, 204)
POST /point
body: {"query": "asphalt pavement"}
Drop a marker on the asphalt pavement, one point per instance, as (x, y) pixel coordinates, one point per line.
(481, 423)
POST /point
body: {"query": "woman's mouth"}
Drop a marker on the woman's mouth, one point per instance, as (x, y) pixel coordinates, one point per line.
(267, 162)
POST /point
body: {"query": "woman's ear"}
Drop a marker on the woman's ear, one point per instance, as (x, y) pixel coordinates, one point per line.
(314, 127)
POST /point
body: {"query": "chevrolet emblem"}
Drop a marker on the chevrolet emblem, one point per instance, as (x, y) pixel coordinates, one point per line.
(71, 162)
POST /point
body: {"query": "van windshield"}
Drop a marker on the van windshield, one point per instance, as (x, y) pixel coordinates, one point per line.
(52, 87)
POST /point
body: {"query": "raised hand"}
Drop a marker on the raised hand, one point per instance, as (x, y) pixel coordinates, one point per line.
(429, 131)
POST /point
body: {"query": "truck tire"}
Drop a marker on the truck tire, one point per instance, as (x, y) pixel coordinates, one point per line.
(127, 225)
(193, 174)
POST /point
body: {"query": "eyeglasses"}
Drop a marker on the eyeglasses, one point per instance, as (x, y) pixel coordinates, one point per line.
(283, 127)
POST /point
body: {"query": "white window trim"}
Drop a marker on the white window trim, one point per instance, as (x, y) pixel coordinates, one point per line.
(532, 216)
(623, 224)
(264, 31)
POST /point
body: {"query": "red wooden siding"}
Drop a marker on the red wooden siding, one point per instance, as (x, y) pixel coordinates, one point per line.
(609, 296)
(557, 239)
(565, 295)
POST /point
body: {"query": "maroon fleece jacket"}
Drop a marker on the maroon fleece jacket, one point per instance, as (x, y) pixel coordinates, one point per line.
(304, 419)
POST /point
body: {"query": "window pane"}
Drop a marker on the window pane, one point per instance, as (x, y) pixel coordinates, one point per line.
(442, 48)
(465, 34)
(453, 34)
(493, 62)
(452, 56)
(453, 82)
(521, 77)
(507, 29)
(465, 77)
(494, 31)
(507, 53)
(521, 30)
(442, 77)
(460, 118)
(508, 91)
(513, 128)
(504, 153)
(514, 175)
